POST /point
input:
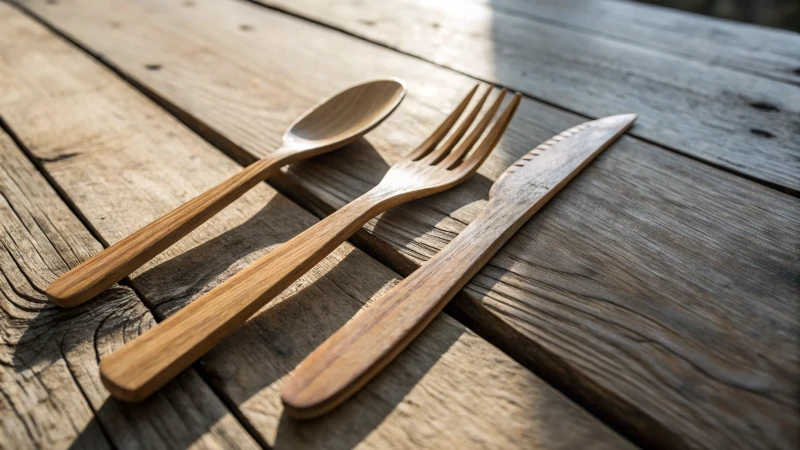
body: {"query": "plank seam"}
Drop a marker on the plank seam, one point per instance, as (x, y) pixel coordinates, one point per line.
(59, 190)
(231, 405)
(83, 393)
(235, 412)
(632, 132)
(5, 128)
(242, 157)
(554, 372)
(588, 31)
(644, 433)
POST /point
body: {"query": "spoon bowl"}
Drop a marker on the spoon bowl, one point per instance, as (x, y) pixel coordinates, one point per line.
(346, 116)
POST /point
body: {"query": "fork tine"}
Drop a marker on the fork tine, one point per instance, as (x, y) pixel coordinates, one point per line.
(439, 153)
(471, 164)
(454, 158)
(440, 132)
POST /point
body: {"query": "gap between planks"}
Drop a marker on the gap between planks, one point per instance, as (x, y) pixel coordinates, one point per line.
(229, 148)
(589, 31)
(632, 132)
(197, 367)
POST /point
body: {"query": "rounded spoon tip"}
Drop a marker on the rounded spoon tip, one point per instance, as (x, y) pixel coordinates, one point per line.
(346, 115)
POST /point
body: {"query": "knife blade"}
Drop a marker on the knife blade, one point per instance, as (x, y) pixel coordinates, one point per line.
(359, 350)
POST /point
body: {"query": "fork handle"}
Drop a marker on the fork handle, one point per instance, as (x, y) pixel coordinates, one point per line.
(118, 261)
(141, 367)
(369, 342)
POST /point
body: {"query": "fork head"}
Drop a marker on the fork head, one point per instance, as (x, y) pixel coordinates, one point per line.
(433, 168)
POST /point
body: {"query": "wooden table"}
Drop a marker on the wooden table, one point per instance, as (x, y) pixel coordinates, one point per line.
(654, 302)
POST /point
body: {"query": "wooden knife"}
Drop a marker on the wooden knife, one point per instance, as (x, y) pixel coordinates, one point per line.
(371, 340)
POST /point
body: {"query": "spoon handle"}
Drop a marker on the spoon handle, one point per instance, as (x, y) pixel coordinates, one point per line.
(139, 368)
(117, 261)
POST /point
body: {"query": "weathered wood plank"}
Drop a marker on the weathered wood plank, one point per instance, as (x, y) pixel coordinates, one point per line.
(52, 396)
(767, 52)
(659, 291)
(745, 123)
(132, 162)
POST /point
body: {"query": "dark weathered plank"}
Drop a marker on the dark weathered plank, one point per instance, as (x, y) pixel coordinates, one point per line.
(659, 291)
(51, 391)
(743, 122)
(767, 52)
(123, 161)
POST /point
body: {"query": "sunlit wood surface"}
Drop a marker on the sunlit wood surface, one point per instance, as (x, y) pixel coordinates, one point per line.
(654, 302)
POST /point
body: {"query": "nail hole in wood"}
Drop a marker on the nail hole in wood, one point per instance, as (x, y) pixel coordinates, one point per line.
(366, 22)
(762, 133)
(188, 3)
(153, 67)
(246, 27)
(764, 106)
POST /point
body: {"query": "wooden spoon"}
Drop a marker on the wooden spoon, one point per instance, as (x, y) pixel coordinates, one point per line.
(335, 122)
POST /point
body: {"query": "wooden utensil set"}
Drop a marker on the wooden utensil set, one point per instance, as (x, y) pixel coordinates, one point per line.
(365, 345)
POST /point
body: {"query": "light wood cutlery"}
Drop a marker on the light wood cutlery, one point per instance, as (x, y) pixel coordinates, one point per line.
(334, 123)
(366, 344)
(138, 369)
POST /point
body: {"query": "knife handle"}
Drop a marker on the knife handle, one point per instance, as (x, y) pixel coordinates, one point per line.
(119, 260)
(370, 341)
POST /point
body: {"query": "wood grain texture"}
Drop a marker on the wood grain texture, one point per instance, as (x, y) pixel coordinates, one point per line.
(742, 122)
(339, 120)
(763, 51)
(364, 346)
(143, 366)
(658, 291)
(451, 388)
(52, 396)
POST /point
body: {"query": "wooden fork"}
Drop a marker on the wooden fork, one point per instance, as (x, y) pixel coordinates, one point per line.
(141, 367)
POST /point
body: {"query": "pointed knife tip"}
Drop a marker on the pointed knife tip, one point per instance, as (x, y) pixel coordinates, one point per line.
(619, 120)
(629, 117)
